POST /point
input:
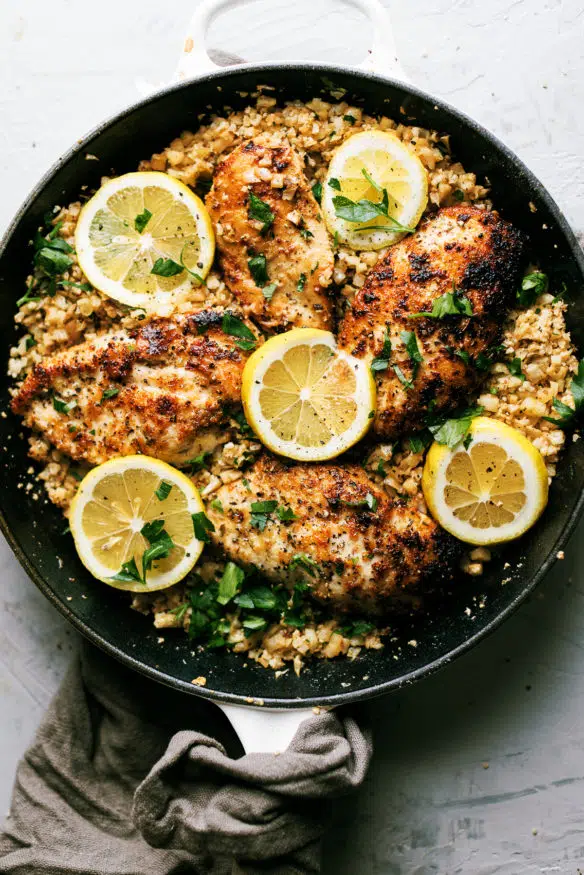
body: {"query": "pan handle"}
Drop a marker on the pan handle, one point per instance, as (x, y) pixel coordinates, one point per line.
(262, 730)
(195, 62)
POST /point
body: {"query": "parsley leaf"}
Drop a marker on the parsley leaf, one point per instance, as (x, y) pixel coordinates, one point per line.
(485, 359)
(29, 342)
(452, 431)
(166, 267)
(381, 361)
(260, 598)
(407, 384)
(109, 393)
(569, 414)
(260, 513)
(142, 220)
(163, 490)
(285, 514)
(301, 282)
(202, 525)
(258, 267)
(237, 328)
(230, 582)
(334, 183)
(364, 210)
(128, 573)
(411, 343)
(358, 627)
(160, 544)
(307, 563)
(350, 119)
(253, 623)
(369, 502)
(217, 505)
(452, 303)
(419, 442)
(532, 286)
(63, 406)
(515, 369)
(260, 211)
(268, 291)
(317, 191)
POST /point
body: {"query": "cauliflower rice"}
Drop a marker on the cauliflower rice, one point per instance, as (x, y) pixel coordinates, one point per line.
(536, 335)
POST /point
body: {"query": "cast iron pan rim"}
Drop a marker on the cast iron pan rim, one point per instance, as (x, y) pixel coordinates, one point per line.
(409, 678)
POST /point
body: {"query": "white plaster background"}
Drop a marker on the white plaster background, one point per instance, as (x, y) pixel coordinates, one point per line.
(516, 703)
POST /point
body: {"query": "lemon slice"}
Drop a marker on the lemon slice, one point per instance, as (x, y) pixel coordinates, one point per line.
(490, 492)
(306, 399)
(114, 503)
(361, 168)
(135, 221)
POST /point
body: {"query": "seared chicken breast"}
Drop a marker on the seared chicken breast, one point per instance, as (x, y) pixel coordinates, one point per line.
(273, 246)
(354, 546)
(466, 253)
(158, 390)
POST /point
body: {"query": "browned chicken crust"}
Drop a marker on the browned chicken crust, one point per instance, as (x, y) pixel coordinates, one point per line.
(296, 245)
(352, 557)
(464, 247)
(158, 390)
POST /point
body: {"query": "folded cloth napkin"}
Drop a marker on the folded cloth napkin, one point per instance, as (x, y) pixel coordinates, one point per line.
(110, 787)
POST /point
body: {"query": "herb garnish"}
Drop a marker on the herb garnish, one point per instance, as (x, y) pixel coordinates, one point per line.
(381, 361)
(569, 414)
(369, 502)
(260, 513)
(485, 359)
(317, 191)
(160, 544)
(230, 582)
(166, 267)
(63, 406)
(532, 286)
(452, 303)
(260, 211)
(364, 210)
(197, 463)
(217, 505)
(202, 525)
(350, 119)
(258, 267)
(411, 343)
(419, 442)
(268, 291)
(515, 368)
(51, 259)
(358, 627)
(128, 572)
(285, 514)
(163, 490)
(301, 282)
(109, 393)
(142, 220)
(451, 431)
(407, 384)
(29, 342)
(307, 563)
(235, 327)
(334, 183)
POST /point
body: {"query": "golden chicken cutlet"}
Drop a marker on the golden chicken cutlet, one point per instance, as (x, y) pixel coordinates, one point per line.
(273, 246)
(160, 390)
(330, 526)
(431, 312)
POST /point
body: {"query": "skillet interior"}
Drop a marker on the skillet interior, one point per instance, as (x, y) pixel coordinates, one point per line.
(34, 528)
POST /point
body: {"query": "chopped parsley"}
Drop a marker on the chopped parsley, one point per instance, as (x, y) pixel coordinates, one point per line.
(128, 573)
(142, 220)
(166, 267)
(260, 598)
(301, 282)
(359, 212)
(197, 463)
(160, 544)
(230, 583)
(515, 368)
(458, 195)
(380, 469)
(451, 431)
(261, 512)
(452, 303)
(411, 344)
(350, 119)
(258, 267)
(568, 415)
(317, 191)
(217, 505)
(51, 259)
(358, 627)
(285, 514)
(307, 563)
(235, 327)
(202, 525)
(407, 384)
(334, 183)
(485, 359)
(369, 502)
(533, 285)
(163, 490)
(381, 361)
(419, 442)
(109, 393)
(268, 291)
(29, 343)
(63, 406)
(260, 211)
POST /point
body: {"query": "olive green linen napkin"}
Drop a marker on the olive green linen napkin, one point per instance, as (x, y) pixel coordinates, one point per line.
(126, 777)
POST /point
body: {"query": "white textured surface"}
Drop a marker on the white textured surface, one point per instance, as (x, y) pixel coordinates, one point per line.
(517, 702)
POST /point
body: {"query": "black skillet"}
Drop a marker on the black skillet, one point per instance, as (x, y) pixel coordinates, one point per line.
(34, 528)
